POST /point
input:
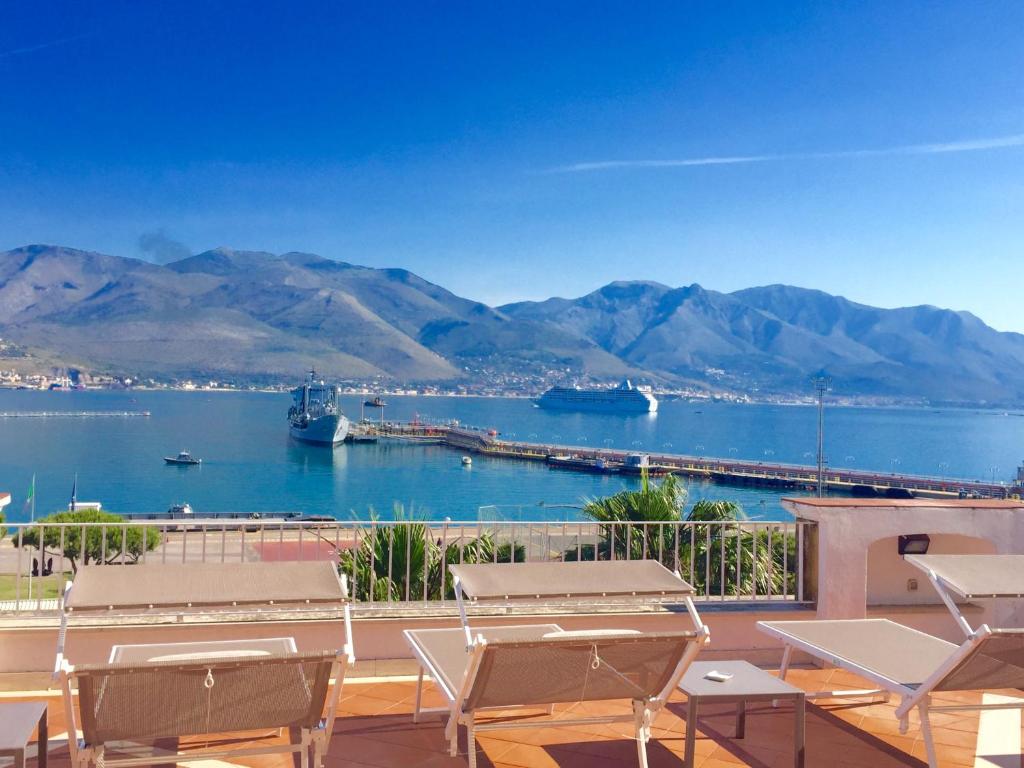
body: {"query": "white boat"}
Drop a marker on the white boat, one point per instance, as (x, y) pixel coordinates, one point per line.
(625, 398)
(466, 461)
(184, 457)
(315, 416)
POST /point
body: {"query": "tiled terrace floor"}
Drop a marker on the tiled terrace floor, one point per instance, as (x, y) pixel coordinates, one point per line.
(374, 728)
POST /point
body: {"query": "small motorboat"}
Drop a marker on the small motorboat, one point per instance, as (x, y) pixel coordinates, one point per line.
(377, 402)
(184, 458)
(466, 461)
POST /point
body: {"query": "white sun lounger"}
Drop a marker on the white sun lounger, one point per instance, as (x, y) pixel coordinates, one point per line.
(972, 577)
(538, 666)
(204, 589)
(146, 701)
(909, 663)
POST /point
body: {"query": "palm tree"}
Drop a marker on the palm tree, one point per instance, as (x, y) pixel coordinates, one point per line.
(718, 551)
(636, 524)
(404, 560)
(730, 558)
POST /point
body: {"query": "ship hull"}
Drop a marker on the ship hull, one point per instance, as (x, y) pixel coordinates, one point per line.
(326, 430)
(641, 406)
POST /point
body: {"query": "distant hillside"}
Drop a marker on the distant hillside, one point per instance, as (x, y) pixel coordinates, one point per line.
(258, 315)
(772, 339)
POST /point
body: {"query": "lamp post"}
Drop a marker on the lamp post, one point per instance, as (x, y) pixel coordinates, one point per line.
(822, 384)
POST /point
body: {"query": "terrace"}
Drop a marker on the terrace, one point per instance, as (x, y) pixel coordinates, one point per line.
(838, 559)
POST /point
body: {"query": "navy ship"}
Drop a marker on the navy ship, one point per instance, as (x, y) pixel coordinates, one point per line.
(315, 415)
(624, 398)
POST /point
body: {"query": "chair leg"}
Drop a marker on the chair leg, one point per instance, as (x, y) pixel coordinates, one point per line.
(787, 656)
(471, 741)
(926, 732)
(419, 696)
(691, 731)
(451, 730)
(639, 712)
(319, 749)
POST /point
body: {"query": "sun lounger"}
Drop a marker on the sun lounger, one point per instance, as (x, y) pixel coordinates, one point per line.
(257, 589)
(972, 577)
(224, 697)
(597, 584)
(536, 667)
(909, 663)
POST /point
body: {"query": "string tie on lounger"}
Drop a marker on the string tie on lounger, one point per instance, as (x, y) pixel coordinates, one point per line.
(208, 684)
(595, 660)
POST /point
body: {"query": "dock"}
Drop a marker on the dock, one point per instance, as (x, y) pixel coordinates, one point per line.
(796, 477)
(72, 414)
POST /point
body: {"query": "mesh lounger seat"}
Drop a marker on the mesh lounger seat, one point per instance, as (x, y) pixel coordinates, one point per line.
(145, 701)
(909, 663)
(197, 692)
(536, 667)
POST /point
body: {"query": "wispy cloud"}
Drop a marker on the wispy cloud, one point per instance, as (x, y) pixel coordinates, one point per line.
(966, 145)
(42, 46)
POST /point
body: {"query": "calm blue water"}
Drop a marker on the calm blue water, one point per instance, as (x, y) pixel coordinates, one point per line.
(249, 463)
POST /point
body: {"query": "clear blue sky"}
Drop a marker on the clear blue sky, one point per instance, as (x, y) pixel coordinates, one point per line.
(521, 150)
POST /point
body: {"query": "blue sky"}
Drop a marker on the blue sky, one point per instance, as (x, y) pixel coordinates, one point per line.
(522, 150)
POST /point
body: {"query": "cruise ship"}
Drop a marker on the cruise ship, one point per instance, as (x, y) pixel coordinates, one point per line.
(624, 398)
(315, 415)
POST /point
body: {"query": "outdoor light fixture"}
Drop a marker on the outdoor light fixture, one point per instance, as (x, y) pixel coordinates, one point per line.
(914, 544)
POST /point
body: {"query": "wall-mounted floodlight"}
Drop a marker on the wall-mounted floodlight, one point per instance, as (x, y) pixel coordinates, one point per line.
(914, 544)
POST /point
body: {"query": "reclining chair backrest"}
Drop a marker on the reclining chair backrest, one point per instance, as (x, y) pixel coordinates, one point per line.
(996, 662)
(164, 699)
(574, 668)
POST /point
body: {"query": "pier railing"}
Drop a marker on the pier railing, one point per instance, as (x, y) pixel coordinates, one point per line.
(395, 563)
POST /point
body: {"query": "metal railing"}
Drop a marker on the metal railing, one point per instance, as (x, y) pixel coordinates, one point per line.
(395, 562)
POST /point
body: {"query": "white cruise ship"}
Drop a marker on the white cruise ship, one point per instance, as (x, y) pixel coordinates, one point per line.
(624, 398)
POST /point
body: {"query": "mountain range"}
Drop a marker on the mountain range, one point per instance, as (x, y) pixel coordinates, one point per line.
(259, 316)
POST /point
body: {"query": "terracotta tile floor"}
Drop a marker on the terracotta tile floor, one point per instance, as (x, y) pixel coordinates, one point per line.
(374, 728)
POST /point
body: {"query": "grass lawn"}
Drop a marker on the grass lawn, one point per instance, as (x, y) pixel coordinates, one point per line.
(47, 586)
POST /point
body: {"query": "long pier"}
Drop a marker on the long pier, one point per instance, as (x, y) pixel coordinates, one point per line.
(798, 477)
(71, 414)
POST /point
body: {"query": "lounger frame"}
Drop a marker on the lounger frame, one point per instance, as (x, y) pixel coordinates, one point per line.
(311, 747)
(684, 592)
(177, 608)
(917, 697)
(644, 711)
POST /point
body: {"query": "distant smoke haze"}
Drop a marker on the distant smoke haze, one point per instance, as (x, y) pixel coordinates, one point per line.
(159, 248)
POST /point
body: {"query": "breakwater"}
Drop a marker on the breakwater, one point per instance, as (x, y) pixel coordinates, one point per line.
(798, 477)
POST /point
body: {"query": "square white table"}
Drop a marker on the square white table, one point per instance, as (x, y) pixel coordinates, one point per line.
(748, 683)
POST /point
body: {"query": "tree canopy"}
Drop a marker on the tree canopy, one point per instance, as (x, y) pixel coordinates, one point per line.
(103, 545)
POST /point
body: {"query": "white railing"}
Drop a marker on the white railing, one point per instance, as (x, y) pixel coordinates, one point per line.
(394, 562)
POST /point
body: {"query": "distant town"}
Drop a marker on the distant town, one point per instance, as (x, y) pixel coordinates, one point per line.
(19, 370)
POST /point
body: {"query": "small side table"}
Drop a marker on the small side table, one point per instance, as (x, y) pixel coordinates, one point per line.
(17, 721)
(748, 683)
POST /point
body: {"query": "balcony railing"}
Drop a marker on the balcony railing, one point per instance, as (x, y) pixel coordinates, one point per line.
(401, 562)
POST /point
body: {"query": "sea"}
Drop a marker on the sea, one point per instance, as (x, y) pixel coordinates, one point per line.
(251, 465)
